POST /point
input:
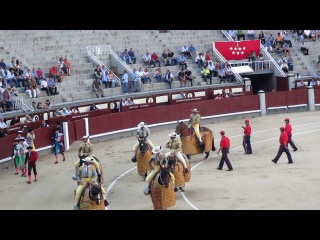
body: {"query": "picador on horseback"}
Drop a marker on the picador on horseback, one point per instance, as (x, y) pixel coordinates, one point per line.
(194, 121)
(143, 132)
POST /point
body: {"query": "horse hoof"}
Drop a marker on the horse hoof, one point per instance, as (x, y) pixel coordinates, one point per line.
(206, 157)
(181, 189)
(176, 189)
(186, 170)
(133, 160)
(106, 203)
(76, 208)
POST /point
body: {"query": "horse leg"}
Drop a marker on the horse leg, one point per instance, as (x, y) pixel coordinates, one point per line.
(181, 189)
(207, 155)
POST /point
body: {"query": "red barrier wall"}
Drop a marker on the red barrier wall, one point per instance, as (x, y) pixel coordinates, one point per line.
(317, 96)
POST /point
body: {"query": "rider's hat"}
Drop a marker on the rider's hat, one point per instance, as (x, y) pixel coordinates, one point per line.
(157, 149)
(195, 110)
(29, 147)
(173, 134)
(142, 124)
(88, 159)
(20, 131)
(85, 137)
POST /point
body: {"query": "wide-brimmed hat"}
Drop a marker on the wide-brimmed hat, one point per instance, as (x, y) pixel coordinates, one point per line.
(157, 149)
(195, 110)
(85, 137)
(142, 124)
(88, 159)
(173, 134)
(29, 147)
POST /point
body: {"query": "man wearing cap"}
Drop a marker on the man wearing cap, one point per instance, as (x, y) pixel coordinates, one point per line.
(160, 161)
(175, 146)
(246, 137)
(288, 130)
(58, 144)
(31, 159)
(143, 132)
(194, 120)
(85, 150)
(20, 132)
(86, 173)
(18, 156)
(283, 140)
(224, 148)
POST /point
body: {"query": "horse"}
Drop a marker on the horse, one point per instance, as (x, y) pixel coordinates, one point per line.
(92, 197)
(144, 153)
(189, 140)
(178, 172)
(162, 190)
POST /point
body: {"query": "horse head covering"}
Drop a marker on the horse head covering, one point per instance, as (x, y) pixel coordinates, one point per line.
(142, 124)
(157, 149)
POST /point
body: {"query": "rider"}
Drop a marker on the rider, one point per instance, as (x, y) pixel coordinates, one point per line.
(85, 150)
(143, 132)
(175, 149)
(195, 123)
(86, 173)
(160, 161)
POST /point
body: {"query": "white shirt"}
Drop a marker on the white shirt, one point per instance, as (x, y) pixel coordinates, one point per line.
(44, 84)
(3, 125)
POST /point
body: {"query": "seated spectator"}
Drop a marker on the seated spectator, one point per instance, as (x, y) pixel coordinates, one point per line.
(96, 86)
(4, 128)
(98, 72)
(30, 90)
(44, 86)
(44, 124)
(279, 39)
(132, 56)
(269, 43)
(307, 34)
(316, 76)
(126, 57)
(240, 34)
(158, 74)
(57, 113)
(314, 82)
(28, 119)
(250, 34)
(67, 65)
(278, 48)
(39, 105)
(155, 59)
(219, 96)
(64, 111)
(14, 92)
(93, 107)
(168, 78)
(112, 78)
(129, 102)
(7, 99)
(287, 39)
(145, 78)
(172, 58)
(200, 60)
(211, 68)
(207, 57)
(217, 67)
(205, 74)
(74, 110)
(146, 59)
(39, 76)
(192, 50)
(14, 121)
(186, 52)
(286, 49)
(318, 62)
(262, 38)
(284, 66)
(182, 95)
(47, 104)
(52, 86)
(10, 79)
(182, 78)
(189, 76)
(301, 84)
(124, 102)
(164, 58)
(232, 34)
(53, 73)
(313, 35)
(35, 87)
(229, 74)
(304, 48)
(182, 61)
(222, 75)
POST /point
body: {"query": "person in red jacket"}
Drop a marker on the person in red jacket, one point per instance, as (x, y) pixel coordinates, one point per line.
(31, 159)
(224, 148)
(288, 130)
(246, 137)
(283, 140)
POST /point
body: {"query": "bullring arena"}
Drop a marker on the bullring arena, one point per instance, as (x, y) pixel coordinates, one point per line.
(255, 183)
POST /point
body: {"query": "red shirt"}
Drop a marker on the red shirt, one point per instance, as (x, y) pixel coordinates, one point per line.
(288, 129)
(154, 57)
(283, 140)
(225, 142)
(247, 130)
(32, 157)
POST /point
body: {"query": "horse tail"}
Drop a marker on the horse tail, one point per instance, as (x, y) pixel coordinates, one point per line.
(213, 147)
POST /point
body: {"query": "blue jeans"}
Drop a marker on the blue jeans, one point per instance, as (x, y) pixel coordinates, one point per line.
(125, 87)
(135, 85)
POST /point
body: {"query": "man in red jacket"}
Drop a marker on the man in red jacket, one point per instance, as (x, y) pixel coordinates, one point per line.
(288, 130)
(246, 137)
(224, 148)
(31, 159)
(283, 140)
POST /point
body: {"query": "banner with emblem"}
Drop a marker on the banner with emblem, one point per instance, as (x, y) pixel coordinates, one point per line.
(237, 50)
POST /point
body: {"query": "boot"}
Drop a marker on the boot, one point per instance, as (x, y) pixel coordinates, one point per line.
(74, 177)
(29, 179)
(35, 178)
(17, 171)
(106, 203)
(146, 191)
(76, 207)
(134, 159)
(97, 95)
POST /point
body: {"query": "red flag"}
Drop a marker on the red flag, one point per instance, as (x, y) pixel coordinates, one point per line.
(237, 50)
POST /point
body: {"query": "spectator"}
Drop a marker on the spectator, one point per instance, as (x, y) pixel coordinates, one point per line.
(64, 111)
(200, 60)
(207, 57)
(172, 58)
(182, 61)
(124, 81)
(93, 107)
(155, 59)
(52, 86)
(44, 86)
(14, 92)
(158, 74)
(129, 102)
(39, 76)
(133, 57)
(222, 75)
(316, 76)
(146, 59)
(314, 82)
(279, 40)
(189, 76)
(269, 43)
(47, 104)
(145, 76)
(67, 65)
(286, 49)
(284, 66)
(135, 80)
(97, 72)
(261, 37)
(112, 78)
(168, 78)
(301, 84)
(14, 121)
(186, 52)
(4, 129)
(211, 68)
(7, 99)
(240, 34)
(287, 39)
(44, 124)
(34, 85)
(164, 58)
(229, 74)
(304, 48)
(28, 119)
(182, 78)
(232, 34)
(29, 89)
(53, 73)
(3, 64)
(250, 34)
(219, 96)
(105, 77)
(96, 86)
(39, 105)
(205, 74)
(10, 78)
(318, 62)
(192, 50)
(126, 57)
